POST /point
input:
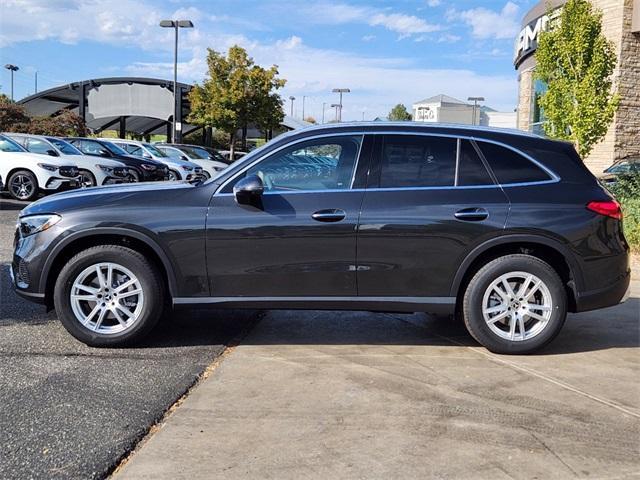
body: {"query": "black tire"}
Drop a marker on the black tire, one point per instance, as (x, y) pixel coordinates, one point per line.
(150, 281)
(481, 281)
(87, 179)
(176, 175)
(24, 178)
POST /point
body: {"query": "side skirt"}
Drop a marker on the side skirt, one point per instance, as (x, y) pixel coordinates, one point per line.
(437, 305)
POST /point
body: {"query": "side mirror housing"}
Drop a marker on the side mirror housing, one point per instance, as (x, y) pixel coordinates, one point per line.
(249, 190)
(104, 153)
(52, 153)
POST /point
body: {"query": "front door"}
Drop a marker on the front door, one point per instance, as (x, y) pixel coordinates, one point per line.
(301, 239)
(430, 199)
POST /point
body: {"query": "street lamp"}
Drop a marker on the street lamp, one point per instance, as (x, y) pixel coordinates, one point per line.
(292, 98)
(12, 68)
(303, 99)
(340, 91)
(175, 24)
(324, 106)
(475, 101)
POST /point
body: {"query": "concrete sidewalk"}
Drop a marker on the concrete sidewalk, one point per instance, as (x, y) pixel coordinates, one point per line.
(360, 395)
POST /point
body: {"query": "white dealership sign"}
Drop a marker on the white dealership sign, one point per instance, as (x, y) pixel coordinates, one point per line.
(527, 40)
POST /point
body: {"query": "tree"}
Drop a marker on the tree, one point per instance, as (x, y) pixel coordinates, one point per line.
(236, 93)
(310, 120)
(13, 117)
(576, 62)
(67, 124)
(399, 113)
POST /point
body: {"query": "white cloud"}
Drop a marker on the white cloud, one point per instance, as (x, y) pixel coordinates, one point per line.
(487, 23)
(448, 38)
(340, 13)
(434, 3)
(368, 38)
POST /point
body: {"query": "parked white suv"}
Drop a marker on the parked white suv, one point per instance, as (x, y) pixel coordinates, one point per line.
(178, 169)
(93, 172)
(25, 174)
(210, 168)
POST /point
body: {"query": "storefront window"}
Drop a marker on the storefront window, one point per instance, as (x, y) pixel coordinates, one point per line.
(537, 113)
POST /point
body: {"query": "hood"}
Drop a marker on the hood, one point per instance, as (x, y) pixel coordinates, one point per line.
(97, 197)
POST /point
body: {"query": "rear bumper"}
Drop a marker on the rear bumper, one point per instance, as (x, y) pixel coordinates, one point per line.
(613, 294)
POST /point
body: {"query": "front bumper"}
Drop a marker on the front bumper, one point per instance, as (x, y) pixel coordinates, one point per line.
(59, 184)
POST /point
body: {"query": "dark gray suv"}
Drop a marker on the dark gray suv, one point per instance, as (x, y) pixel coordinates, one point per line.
(506, 230)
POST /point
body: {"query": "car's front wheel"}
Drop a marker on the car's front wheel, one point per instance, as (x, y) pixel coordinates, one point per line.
(173, 176)
(87, 179)
(23, 185)
(109, 295)
(515, 304)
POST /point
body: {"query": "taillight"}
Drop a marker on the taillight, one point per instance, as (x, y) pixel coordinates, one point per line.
(610, 208)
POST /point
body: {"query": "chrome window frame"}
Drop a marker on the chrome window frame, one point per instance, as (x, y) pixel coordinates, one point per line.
(554, 178)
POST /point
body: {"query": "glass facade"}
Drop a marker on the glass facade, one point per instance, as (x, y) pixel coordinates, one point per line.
(537, 113)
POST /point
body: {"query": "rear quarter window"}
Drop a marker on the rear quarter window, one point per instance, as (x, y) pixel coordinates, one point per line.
(510, 166)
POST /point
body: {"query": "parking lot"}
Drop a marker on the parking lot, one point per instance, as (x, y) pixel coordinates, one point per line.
(316, 395)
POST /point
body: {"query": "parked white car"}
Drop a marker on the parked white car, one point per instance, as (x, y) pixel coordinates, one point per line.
(26, 174)
(93, 172)
(210, 168)
(178, 169)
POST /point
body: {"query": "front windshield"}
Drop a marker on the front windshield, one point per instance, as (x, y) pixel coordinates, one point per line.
(622, 167)
(115, 149)
(154, 150)
(64, 147)
(8, 145)
(196, 153)
(172, 153)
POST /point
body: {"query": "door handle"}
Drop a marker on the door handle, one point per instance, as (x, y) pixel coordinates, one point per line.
(329, 215)
(472, 214)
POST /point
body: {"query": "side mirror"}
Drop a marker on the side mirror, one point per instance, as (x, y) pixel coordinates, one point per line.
(52, 153)
(249, 190)
(103, 153)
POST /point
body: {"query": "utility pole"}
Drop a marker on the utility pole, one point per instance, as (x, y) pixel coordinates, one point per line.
(292, 98)
(175, 24)
(340, 91)
(337, 106)
(475, 101)
(12, 68)
(36, 83)
(303, 98)
(323, 108)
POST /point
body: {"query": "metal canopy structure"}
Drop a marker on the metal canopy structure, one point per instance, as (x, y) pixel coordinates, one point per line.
(142, 106)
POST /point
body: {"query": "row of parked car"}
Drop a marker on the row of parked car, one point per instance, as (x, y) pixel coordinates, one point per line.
(31, 164)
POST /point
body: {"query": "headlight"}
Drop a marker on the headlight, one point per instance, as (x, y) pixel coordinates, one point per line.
(148, 167)
(46, 166)
(37, 223)
(105, 168)
(188, 169)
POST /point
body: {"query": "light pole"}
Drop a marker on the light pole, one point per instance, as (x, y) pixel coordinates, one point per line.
(175, 24)
(12, 68)
(340, 91)
(337, 106)
(303, 99)
(292, 98)
(323, 109)
(475, 101)
(36, 82)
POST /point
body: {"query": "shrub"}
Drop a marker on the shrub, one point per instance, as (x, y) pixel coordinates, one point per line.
(627, 192)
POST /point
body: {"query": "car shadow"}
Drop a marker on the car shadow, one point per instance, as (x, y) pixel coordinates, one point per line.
(7, 203)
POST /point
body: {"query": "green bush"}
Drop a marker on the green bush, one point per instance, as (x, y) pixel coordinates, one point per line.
(627, 192)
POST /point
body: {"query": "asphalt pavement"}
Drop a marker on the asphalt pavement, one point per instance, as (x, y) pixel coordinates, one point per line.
(70, 411)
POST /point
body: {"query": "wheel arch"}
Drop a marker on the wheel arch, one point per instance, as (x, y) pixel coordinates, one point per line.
(82, 240)
(551, 251)
(18, 169)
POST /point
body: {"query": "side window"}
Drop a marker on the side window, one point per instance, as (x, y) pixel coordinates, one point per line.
(511, 167)
(471, 169)
(319, 164)
(38, 146)
(417, 161)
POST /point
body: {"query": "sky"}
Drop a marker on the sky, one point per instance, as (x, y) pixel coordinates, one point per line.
(386, 52)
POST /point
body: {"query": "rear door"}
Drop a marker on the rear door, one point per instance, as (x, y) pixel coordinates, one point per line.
(429, 200)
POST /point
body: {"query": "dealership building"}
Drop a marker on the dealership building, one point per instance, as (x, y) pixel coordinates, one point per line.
(621, 25)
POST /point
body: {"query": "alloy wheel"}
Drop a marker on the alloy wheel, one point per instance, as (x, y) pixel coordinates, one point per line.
(22, 187)
(85, 180)
(107, 298)
(517, 306)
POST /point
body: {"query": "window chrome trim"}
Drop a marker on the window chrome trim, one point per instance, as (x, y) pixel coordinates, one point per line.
(554, 177)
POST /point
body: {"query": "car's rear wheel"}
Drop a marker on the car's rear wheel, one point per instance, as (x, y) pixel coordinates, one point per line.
(23, 185)
(515, 304)
(86, 179)
(109, 295)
